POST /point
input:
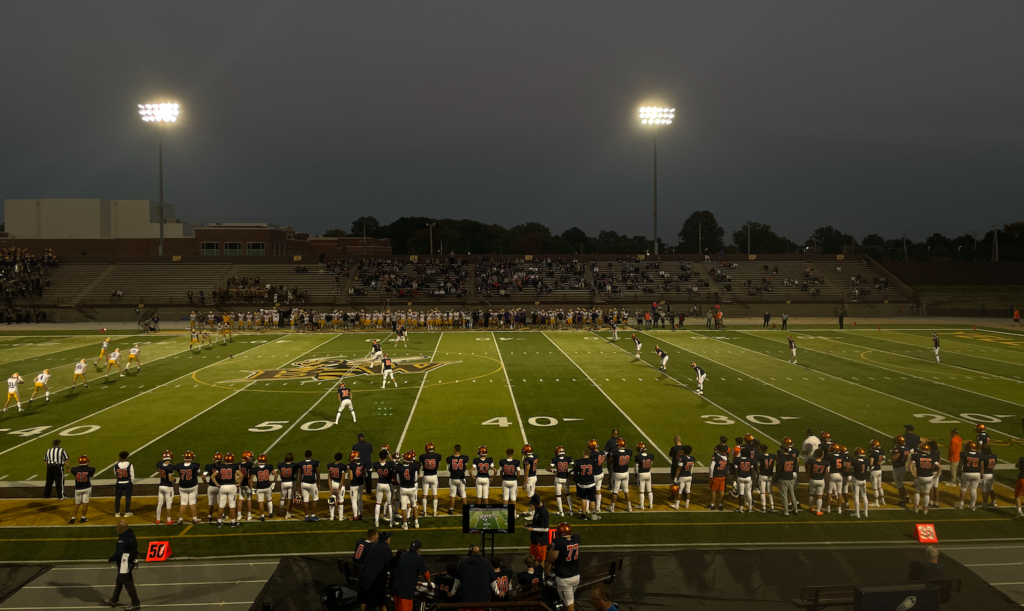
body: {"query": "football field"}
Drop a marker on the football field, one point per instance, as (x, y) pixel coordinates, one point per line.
(488, 519)
(275, 392)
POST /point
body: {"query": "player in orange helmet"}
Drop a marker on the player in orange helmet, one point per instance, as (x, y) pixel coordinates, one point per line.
(188, 475)
(429, 462)
(618, 462)
(859, 470)
(262, 479)
(165, 490)
(900, 454)
(876, 458)
(483, 470)
(529, 476)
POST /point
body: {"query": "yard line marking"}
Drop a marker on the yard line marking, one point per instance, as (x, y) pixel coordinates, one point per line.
(885, 393)
(994, 375)
(419, 392)
(601, 390)
(168, 432)
(96, 413)
(311, 407)
(519, 417)
(798, 397)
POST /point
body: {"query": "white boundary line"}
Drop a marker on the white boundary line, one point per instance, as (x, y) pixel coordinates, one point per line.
(737, 418)
(873, 364)
(150, 565)
(649, 439)
(914, 358)
(311, 408)
(508, 382)
(780, 389)
(105, 586)
(416, 401)
(169, 431)
(148, 605)
(96, 413)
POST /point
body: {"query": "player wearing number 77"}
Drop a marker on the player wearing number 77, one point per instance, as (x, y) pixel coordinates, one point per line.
(564, 561)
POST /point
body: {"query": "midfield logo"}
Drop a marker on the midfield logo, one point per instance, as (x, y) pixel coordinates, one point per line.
(334, 369)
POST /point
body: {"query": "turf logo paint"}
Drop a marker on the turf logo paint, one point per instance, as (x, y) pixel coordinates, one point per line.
(334, 369)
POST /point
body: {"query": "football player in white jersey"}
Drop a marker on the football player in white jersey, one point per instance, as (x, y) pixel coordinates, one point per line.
(103, 353)
(114, 361)
(12, 390)
(135, 354)
(42, 381)
(80, 368)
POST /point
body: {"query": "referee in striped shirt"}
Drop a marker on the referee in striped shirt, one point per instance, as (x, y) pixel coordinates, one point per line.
(56, 460)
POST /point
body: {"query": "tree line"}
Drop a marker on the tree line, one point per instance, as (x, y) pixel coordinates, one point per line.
(700, 233)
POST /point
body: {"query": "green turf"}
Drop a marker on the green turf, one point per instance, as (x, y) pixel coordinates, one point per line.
(503, 389)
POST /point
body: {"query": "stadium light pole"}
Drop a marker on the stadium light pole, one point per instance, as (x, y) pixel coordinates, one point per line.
(160, 114)
(655, 116)
(431, 225)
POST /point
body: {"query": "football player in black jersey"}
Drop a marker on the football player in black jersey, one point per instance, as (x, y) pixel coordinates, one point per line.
(642, 464)
(564, 561)
(165, 491)
(561, 466)
(619, 460)
(457, 464)
(188, 486)
(860, 469)
(384, 469)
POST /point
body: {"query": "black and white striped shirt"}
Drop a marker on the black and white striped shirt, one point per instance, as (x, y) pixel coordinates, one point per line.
(56, 456)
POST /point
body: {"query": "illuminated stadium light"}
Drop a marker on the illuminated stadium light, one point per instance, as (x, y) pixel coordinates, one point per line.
(160, 113)
(654, 115)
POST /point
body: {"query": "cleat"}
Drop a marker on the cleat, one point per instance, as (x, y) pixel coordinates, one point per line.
(405, 526)
(234, 525)
(128, 514)
(83, 520)
(71, 521)
(117, 515)
(170, 522)
(263, 518)
(159, 522)
(818, 513)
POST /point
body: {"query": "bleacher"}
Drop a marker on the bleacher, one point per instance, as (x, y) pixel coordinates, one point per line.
(156, 283)
(549, 279)
(68, 281)
(630, 277)
(859, 281)
(781, 281)
(315, 281)
(376, 279)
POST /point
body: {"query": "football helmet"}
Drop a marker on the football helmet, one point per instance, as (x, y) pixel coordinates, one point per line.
(693, 364)
(641, 448)
(168, 455)
(482, 451)
(592, 444)
(527, 449)
(787, 442)
(673, 489)
(559, 450)
(825, 437)
(859, 452)
(247, 456)
(564, 529)
(899, 440)
(218, 457)
(429, 447)
(352, 457)
(980, 428)
(842, 449)
(386, 447)
(229, 458)
(262, 458)
(922, 447)
(971, 446)
(620, 442)
(748, 438)
(83, 459)
(875, 443)
(188, 456)
(409, 456)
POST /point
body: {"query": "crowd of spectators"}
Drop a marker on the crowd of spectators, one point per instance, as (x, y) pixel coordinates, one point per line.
(23, 274)
(251, 290)
(648, 276)
(507, 277)
(436, 277)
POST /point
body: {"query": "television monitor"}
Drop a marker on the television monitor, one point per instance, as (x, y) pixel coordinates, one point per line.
(484, 518)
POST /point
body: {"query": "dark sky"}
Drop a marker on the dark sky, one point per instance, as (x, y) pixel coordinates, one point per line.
(870, 116)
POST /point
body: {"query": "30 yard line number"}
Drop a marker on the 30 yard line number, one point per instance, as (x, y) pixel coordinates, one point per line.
(759, 419)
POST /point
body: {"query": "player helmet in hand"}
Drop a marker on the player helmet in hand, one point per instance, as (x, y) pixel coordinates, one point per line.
(673, 489)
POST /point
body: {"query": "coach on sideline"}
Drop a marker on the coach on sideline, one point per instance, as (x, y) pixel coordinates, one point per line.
(56, 460)
(365, 457)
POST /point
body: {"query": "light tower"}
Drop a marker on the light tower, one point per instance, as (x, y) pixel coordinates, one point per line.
(656, 116)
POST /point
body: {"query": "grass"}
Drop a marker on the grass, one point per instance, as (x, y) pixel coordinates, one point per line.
(502, 389)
